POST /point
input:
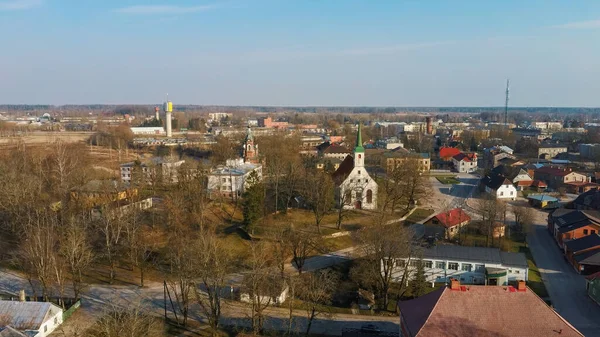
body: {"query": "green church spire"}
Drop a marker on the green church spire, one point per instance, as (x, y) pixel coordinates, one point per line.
(359, 144)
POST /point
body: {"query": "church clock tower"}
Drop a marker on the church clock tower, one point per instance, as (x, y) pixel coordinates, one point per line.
(250, 154)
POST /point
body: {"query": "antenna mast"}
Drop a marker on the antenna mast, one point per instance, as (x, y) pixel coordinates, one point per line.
(506, 104)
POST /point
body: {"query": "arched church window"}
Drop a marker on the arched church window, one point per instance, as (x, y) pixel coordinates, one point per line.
(369, 196)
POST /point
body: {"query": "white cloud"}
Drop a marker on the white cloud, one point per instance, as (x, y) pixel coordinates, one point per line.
(163, 9)
(580, 25)
(396, 48)
(16, 5)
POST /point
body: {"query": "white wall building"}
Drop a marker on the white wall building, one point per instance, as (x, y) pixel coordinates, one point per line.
(151, 130)
(355, 187)
(232, 179)
(522, 176)
(35, 319)
(500, 187)
(469, 265)
(465, 163)
(156, 169)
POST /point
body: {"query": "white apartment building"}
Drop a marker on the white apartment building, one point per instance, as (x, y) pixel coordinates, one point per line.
(465, 163)
(153, 170)
(469, 265)
(232, 179)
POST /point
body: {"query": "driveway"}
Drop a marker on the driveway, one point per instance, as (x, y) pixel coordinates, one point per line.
(565, 287)
(452, 196)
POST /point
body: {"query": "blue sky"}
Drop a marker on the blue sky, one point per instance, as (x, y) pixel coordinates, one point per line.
(301, 52)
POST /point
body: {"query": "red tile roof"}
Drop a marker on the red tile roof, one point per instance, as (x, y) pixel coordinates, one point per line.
(534, 183)
(448, 152)
(593, 276)
(494, 311)
(461, 156)
(453, 217)
(553, 171)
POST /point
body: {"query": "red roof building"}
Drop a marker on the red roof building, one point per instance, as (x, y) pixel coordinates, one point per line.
(446, 153)
(498, 311)
(451, 221)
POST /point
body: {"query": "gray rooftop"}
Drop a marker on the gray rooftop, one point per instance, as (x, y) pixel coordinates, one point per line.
(475, 255)
(27, 315)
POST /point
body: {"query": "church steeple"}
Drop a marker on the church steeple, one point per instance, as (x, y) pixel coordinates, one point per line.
(359, 150)
(359, 144)
(250, 149)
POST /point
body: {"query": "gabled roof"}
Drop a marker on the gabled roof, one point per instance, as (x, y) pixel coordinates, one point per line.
(462, 156)
(590, 258)
(343, 170)
(27, 315)
(446, 152)
(334, 148)
(543, 197)
(583, 243)
(494, 311)
(453, 217)
(9, 331)
(494, 182)
(553, 171)
(589, 199)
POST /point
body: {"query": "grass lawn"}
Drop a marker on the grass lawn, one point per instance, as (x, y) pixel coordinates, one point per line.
(448, 180)
(341, 242)
(418, 215)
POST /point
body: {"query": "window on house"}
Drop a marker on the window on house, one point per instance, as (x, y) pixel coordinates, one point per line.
(400, 263)
(516, 271)
(413, 263)
(466, 267)
(369, 196)
(440, 265)
(358, 171)
(55, 320)
(501, 194)
(452, 265)
(428, 264)
(585, 232)
(45, 328)
(480, 267)
(593, 231)
(511, 192)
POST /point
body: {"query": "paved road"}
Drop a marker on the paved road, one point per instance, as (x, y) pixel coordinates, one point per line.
(452, 196)
(565, 286)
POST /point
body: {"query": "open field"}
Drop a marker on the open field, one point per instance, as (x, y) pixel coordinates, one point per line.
(46, 137)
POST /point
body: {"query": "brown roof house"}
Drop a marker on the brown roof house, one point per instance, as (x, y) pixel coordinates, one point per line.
(490, 311)
(451, 221)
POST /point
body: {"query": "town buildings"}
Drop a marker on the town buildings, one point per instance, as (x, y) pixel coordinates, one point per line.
(470, 265)
(395, 158)
(493, 155)
(549, 151)
(232, 179)
(157, 131)
(152, 171)
(502, 311)
(499, 187)
(566, 225)
(584, 253)
(558, 177)
(354, 186)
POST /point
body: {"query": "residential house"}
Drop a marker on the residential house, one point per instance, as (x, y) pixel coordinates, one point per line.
(472, 265)
(97, 193)
(465, 162)
(154, 170)
(460, 310)
(589, 200)
(543, 201)
(531, 185)
(557, 177)
(34, 319)
(334, 151)
(492, 156)
(499, 187)
(354, 186)
(232, 179)
(549, 151)
(578, 187)
(274, 292)
(575, 252)
(566, 225)
(527, 132)
(396, 158)
(452, 222)
(592, 286)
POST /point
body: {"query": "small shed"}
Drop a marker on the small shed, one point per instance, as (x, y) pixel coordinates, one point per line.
(543, 201)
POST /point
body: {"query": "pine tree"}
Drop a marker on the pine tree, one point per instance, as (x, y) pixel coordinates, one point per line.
(419, 284)
(253, 203)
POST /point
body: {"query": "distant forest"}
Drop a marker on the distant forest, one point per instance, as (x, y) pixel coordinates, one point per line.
(148, 109)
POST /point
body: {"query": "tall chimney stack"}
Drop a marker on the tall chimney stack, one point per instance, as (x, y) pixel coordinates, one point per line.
(429, 126)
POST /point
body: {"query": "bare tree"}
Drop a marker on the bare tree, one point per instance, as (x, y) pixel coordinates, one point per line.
(111, 228)
(214, 263)
(76, 250)
(319, 194)
(132, 321)
(259, 284)
(301, 244)
(524, 217)
(488, 208)
(182, 257)
(382, 246)
(316, 291)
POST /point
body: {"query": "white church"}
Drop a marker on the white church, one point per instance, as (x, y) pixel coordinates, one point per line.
(355, 189)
